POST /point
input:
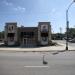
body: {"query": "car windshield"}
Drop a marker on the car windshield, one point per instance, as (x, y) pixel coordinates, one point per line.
(37, 37)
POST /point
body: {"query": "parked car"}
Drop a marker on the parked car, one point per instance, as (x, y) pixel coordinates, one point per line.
(72, 40)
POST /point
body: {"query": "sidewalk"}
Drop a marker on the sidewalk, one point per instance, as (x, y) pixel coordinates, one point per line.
(38, 49)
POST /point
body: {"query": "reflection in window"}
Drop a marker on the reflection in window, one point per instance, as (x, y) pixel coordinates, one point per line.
(27, 34)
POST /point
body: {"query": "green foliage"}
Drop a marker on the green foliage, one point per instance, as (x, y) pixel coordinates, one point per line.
(71, 33)
(2, 34)
(57, 36)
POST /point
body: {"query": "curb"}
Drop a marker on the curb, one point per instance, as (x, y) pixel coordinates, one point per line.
(36, 51)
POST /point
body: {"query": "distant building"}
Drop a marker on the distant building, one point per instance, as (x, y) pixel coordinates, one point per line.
(28, 36)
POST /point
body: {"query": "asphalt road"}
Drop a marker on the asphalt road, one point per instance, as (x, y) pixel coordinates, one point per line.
(31, 63)
(64, 42)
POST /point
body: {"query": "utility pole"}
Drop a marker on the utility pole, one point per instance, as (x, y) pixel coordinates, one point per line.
(67, 24)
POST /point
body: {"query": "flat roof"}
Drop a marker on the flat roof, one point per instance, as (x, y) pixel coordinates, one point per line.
(27, 28)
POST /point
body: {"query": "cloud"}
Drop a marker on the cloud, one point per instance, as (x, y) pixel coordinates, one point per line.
(7, 3)
(13, 6)
(19, 8)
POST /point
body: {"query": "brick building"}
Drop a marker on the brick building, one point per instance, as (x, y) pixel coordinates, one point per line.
(28, 36)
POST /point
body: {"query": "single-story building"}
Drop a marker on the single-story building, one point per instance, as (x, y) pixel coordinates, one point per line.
(28, 36)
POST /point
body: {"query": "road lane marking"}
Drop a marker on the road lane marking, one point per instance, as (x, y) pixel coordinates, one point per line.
(36, 66)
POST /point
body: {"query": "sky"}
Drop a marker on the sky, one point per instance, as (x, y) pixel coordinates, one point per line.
(29, 12)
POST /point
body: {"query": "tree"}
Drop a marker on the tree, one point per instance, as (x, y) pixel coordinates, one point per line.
(71, 33)
(2, 34)
(57, 36)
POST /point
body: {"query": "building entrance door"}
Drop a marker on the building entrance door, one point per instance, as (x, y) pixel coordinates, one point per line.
(27, 42)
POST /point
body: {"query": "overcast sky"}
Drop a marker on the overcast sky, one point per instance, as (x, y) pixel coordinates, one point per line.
(30, 12)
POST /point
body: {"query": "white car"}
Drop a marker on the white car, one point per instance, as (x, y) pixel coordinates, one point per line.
(72, 40)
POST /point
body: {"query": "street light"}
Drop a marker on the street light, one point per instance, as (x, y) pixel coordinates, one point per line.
(67, 24)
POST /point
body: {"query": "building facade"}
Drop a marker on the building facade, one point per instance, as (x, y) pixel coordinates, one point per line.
(28, 36)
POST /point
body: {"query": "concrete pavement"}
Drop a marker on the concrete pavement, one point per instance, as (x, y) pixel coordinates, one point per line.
(58, 47)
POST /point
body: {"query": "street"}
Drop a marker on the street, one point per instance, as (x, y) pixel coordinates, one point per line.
(20, 63)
